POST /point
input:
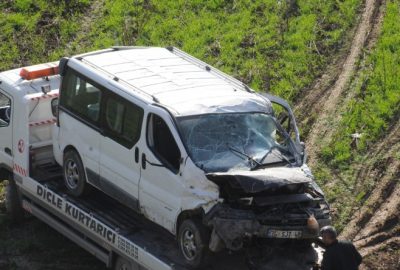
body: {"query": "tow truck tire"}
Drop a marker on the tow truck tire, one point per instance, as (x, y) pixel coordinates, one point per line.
(74, 174)
(13, 203)
(193, 240)
(124, 264)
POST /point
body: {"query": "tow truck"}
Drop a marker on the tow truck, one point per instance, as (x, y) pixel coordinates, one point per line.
(112, 232)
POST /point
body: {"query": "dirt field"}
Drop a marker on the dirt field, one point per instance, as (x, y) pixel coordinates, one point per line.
(374, 228)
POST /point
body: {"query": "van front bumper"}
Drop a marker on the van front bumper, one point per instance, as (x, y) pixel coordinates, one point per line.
(231, 227)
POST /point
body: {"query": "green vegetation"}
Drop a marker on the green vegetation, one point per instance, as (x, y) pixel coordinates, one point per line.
(36, 31)
(377, 102)
(277, 46)
(371, 113)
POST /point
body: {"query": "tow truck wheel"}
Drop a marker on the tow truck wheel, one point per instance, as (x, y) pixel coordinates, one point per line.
(193, 239)
(13, 202)
(74, 174)
(123, 264)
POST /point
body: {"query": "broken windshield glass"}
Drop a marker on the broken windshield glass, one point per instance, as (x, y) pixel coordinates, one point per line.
(230, 141)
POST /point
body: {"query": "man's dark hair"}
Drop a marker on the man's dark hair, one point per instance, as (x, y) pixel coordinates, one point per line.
(329, 230)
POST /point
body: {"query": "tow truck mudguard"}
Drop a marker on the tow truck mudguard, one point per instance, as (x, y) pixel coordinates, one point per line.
(5, 172)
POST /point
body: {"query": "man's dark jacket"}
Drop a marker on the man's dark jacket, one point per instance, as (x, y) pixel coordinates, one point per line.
(341, 255)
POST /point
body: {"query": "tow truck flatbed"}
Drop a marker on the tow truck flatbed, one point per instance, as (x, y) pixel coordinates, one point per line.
(104, 226)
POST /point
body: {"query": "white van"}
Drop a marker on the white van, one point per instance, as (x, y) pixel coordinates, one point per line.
(187, 146)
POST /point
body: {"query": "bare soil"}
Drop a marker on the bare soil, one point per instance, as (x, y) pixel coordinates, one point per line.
(375, 227)
(326, 95)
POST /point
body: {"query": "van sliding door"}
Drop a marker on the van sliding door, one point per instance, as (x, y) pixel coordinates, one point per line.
(119, 158)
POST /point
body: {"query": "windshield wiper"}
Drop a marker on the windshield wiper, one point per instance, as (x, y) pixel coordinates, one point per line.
(250, 158)
(282, 157)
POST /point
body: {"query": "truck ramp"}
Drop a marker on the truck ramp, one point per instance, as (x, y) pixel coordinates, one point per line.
(153, 239)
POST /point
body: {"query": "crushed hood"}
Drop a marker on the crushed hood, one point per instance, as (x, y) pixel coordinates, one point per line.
(261, 180)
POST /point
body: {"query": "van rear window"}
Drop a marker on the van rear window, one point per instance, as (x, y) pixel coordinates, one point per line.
(81, 97)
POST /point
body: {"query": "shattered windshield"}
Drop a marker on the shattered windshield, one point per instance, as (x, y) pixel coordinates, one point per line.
(229, 141)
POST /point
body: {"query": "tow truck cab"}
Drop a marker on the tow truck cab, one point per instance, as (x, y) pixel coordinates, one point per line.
(27, 113)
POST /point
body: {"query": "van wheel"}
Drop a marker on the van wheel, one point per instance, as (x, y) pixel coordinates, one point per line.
(74, 174)
(193, 239)
(124, 264)
(13, 202)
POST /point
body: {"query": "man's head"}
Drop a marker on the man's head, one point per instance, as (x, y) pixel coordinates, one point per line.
(328, 234)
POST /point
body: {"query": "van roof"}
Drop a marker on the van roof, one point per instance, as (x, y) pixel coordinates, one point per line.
(174, 79)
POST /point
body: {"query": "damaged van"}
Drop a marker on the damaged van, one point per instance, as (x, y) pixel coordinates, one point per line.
(190, 148)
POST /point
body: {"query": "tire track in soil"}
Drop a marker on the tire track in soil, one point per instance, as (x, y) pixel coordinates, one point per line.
(326, 101)
(375, 227)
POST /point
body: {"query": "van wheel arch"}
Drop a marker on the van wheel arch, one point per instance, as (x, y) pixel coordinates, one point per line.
(188, 214)
(70, 148)
(82, 186)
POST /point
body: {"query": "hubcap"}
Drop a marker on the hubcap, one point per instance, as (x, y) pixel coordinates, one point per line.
(71, 174)
(188, 244)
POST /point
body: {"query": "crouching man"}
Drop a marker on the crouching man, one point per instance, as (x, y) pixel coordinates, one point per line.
(339, 255)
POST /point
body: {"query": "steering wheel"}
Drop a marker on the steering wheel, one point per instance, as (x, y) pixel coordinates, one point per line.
(7, 114)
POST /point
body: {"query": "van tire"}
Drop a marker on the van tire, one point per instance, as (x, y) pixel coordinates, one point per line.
(74, 174)
(193, 241)
(13, 202)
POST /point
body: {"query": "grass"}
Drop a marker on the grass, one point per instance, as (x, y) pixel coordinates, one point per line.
(271, 45)
(371, 113)
(276, 46)
(377, 101)
(35, 31)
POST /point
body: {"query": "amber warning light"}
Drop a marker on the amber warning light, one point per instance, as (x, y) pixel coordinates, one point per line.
(38, 71)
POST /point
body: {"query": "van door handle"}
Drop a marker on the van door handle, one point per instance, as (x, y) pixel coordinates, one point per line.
(137, 155)
(8, 151)
(144, 161)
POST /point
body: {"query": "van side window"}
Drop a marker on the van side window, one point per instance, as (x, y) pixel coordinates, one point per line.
(5, 110)
(123, 121)
(162, 142)
(81, 97)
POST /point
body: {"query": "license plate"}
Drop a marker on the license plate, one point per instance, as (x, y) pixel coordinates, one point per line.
(284, 234)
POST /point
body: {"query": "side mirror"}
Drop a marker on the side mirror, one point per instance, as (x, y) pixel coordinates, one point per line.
(54, 107)
(145, 161)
